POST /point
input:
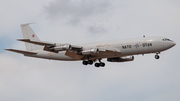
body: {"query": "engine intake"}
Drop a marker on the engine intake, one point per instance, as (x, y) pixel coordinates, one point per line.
(90, 51)
(121, 59)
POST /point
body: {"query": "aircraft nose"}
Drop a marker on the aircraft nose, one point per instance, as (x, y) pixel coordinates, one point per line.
(169, 45)
(173, 44)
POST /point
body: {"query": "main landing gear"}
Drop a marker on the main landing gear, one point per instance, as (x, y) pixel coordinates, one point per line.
(90, 62)
(157, 56)
(100, 64)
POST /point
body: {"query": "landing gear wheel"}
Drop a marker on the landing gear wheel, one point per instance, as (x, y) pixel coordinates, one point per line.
(157, 57)
(97, 64)
(90, 62)
(85, 62)
(102, 64)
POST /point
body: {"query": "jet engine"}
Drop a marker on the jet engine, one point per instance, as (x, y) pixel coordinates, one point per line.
(90, 51)
(121, 59)
(61, 47)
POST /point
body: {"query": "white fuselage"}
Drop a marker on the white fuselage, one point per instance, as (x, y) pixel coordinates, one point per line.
(127, 47)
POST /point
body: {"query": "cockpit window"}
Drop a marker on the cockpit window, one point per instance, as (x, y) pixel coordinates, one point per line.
(165, 39)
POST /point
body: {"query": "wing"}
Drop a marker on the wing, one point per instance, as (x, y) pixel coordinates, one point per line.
(53, 47)
(102, 53)
(106, 53)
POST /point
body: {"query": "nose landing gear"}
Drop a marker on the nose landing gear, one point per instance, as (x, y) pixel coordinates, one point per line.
(157, 56)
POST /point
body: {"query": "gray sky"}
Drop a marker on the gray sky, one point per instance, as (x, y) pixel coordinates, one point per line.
(83, 21)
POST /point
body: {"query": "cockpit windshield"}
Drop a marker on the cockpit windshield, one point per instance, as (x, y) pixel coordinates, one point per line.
(165, 39)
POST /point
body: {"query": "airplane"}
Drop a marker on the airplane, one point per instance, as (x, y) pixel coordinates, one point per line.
(114, 51)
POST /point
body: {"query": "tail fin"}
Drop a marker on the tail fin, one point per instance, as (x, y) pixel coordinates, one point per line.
(28, 33)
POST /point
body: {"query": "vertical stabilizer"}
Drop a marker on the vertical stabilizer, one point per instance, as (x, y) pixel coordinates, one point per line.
(28, 33)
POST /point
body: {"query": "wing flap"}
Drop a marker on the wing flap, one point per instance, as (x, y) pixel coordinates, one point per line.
(21, 51)
(74, 55)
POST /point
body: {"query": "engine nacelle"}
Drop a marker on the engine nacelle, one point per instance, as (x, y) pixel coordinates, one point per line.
(121, 59)
(61, 47)
(90, 51)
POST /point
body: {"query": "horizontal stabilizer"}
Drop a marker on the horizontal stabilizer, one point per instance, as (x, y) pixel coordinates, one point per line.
(21, 51)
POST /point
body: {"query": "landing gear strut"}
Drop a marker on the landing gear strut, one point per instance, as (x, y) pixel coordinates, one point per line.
(157, 56)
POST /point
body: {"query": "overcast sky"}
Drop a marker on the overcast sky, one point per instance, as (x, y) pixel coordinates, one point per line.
(83, 21)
